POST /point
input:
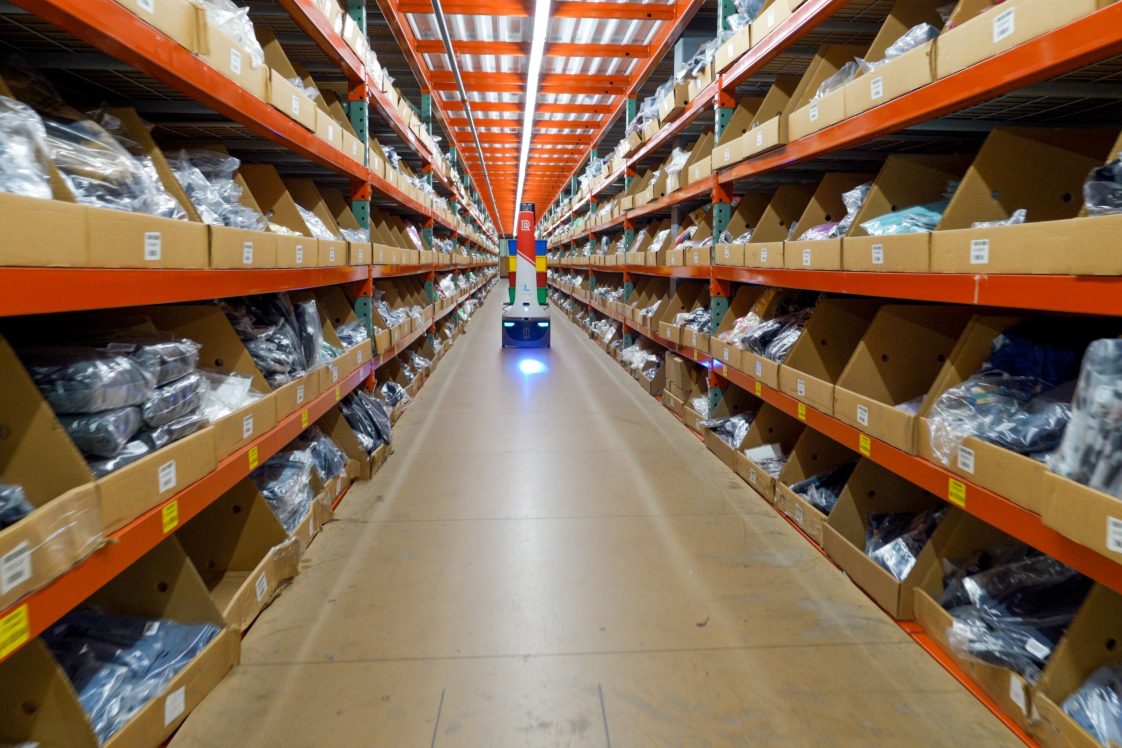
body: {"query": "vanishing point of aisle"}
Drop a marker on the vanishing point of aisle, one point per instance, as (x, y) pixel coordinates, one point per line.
(551, 559)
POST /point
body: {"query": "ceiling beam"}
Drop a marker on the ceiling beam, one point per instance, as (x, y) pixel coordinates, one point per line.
(565, 9)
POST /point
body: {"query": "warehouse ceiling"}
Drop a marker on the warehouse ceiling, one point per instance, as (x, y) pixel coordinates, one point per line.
(592, 56)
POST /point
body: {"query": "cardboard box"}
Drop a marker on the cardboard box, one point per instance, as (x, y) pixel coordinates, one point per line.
(739, 306)
(231, 60)
(1087, 516)
(359, 253)
(44, 233)
(979, 29)
(904, 181)
(871, 489)
(674, 103)
(283, 93)
(1040, 170)
(37, 455)
(734, 402)
(821, 353)
(771, 426)
(766, 250)
(908, 72)
(241, 248)
(769, 128)
(681, 300)
(896, 362)
(814, 454)
(38, 702)
(178, 19)
(770, 17)
(272, 195)
(332, 252)
(810, 113)
(730, 147)
(745, 217)
(825, 206)
(733, 49)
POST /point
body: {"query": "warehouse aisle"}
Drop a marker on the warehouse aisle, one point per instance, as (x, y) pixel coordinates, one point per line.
(551, 559)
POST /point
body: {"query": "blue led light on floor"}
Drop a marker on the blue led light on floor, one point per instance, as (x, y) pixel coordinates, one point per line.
(530, 366)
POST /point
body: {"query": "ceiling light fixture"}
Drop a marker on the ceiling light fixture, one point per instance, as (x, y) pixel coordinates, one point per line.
(533, 79)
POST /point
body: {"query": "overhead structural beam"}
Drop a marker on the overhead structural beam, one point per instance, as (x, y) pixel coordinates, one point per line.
(568, 9)
(557, 49)
(506, 106)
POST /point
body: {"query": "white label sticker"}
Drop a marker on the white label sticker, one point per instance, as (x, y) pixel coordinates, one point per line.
(261, 586)
(751, 476)
(153, 245)
(798, 514)
(759, 138)
(1038, 650)
(334, 373)
(331, 132)
(862, 415)
(247, 253)
(358, 357)
(876, 88)
(1114, 534)
(763, 254)
(814, 111)
(331, 254)
(151, 628)
(148, 6)
(247, 426)
(15, 567)
(1017, 692)
(965, 459)
(295, 106)
(770, 18)
(174, 705)
(759, 369)
(166, 476)
(235, 62)
(299, 394)
(806, 257)
(299, 254)
(878, 254)
(980, 252)
(1004, 24)
(800, 387)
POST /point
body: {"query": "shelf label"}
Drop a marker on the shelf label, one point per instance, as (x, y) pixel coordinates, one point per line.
(770, 18)
(166, 476)
(800, 387)
(806, 258)
(759, 389)
(814, 111)
(752, 477)
(254, 457)
(763, 255)
(175, 704)
(247, 426)
(247, 253)
(331, 254)
(1004, 25)
(878, 254)
(295, 106)
(1114, 534)
(1017, 692)
(15, 567)
(331, 132)
(802, 411)
(15, 630)
(235, 62)
(862, 415)
(956, 493)
(334, 372)
(728, 154)
(299, 254)
(980, 252)
(876, 88)
(338, 394)
(153, 246)
(759, 138)
(798, 514)
(169, 516)
(261, 586)
(865, 445)
(299, 394)
(965, 459)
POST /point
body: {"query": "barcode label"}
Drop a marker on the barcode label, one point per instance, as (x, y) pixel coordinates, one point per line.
(759, 138)
(295, 106)
(980, 252)
(1036, 649)
(15, 567)
(334, 373)
(770, 18)
(166, 476)
(247, 427)
(1004, 24)
(728, 354)
(300, 254)
(247, 253)
(814, 111)
(798, 514)
(261, 586)
(759, 369)
(1114, 534)
(752, 476)
(331, 132)
(331, 254)
(876, 88)
(1017, 692)
(862, 415)
(878, 254)
(806, 257)
(299, 394)
(174, 705)
(763, 255)
(728, 154)
(800, 387)
(153, 245)
(235, 62)
(966, 459)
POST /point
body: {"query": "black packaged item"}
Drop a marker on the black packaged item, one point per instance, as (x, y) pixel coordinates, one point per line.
(731, 430)
(1102, 192)
(894, 541)
(394, 394)
(285, 480)
(132, 452)
(173, 431)
(173, 401)
(267, 326)
(87, 380)
(310, 331)
(351, 334)
(823, 490)
(368, 417)
(14, 505)
(171, 359)
(1097, 705)
(117, 664)
(330, 461)
(103, 434)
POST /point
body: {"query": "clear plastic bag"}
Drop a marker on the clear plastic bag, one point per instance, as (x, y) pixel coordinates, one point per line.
(102, 434)
(822, 491)
(267, 325)
(330, 461)
(155, 200)
(1019, 216)
(318, 228)
(730, 430)
(225, 394)
(1097, 705)
(24, 168)
(355, 236)
(173, 431)
(368, 417)
(132, 452)
(216, 196)
(894, 541)
(173, 401)
(853, 200)
(14, 505)
(395, 394)
(676, 162)
(171, 358)
(351, 333)
(285, 480)
(235, 22)
(916, 219)
(87, 380)
(1090, 450)
(1102, 191)
(914, 37)
(975, 407)
(844, 74)
(117, 664)
(310, 331)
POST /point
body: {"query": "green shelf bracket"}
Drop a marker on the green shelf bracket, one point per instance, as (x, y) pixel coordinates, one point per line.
(364, 306)
(632, 107)
(718, 308)
(724, 116)
(628, 239)
(716, 394)
(726, 9)
(722, 216)
(361, 210)
(628, 289)
(628, 340)
(430, 290)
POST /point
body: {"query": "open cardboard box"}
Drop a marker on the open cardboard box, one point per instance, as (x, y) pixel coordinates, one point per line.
(674, 102)
(766, 248)
(180, 20)
(1089, 517)
(701, 81)
(814, 454)
(767, 307)
(740, 305)
(696, 339)
(1042, 171)
(327, 127)
(241, 552)
(700, 164)
(358, 253)
(359, 464)
(732, 50)
(677, 382)
(808, 114)
(774, 13)
(771, 426)
(873, 489)
(908, 72)
(332, 252)
(229, 58)
(337, 311)
(699, 379)
(271, 194)
(38, 702)
(747, 216)
(904, 181)
(283, 94)
(352, 144)
(681, 299)
(769, 126)
(821, 353)
(825, 206)
(1091, 642)
(980, 29)
(729, 148)
(700, 256)
(896, 362)
(647, 291)
(734, 401)
(36, 454)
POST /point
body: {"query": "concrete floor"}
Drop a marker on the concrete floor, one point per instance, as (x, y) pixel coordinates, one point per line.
(552, 559)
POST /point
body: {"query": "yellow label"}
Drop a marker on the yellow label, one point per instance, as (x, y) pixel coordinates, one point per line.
(254, 460)
(802, 411)
(956, 492)
(759, 389)
(15, 630)
(865, 445)
(303, 419)
(170, 515)
(338, 393)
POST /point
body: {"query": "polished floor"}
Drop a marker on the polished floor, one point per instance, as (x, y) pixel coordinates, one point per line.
(551, 559)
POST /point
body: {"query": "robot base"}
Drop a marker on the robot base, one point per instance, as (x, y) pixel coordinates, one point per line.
(526, 333)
